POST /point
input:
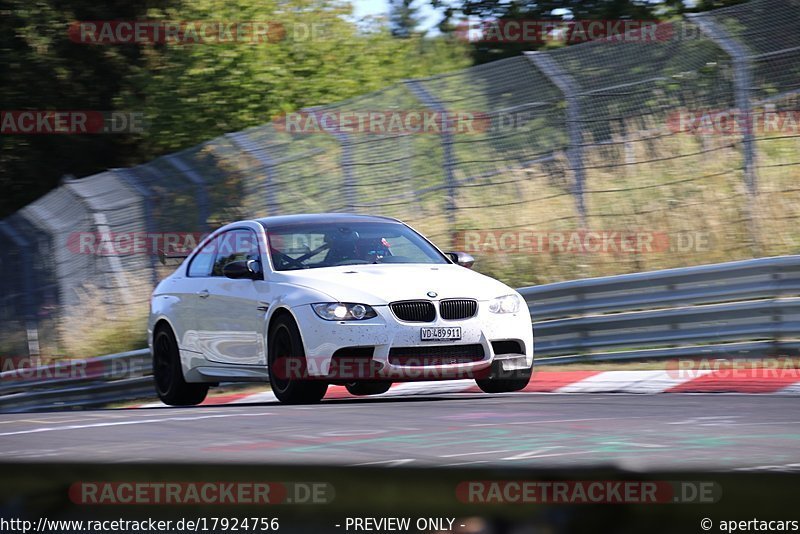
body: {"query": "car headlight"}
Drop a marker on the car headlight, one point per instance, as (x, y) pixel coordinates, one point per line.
(343, 311)
(505, 304)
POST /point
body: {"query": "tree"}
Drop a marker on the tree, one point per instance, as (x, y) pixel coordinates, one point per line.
(44, 70)
(194, 93)
(187, 93)
(502, 11)
(403, 17)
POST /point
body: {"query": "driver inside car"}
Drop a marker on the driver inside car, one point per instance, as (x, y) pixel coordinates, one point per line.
(372, 250)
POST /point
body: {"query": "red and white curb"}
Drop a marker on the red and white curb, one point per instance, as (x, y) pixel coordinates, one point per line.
(786, 382)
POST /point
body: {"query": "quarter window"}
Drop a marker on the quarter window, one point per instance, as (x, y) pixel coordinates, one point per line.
(236, 245)
(202, 261)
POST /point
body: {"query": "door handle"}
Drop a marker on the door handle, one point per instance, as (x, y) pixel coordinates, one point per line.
(203, 294)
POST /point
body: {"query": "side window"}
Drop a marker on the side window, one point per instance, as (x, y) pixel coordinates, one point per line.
(201, 263)
(236, 245)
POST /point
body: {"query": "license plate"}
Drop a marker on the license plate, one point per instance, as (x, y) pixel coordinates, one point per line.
(448, 333)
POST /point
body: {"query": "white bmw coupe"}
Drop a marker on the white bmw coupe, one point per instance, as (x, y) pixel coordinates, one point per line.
(304, 301)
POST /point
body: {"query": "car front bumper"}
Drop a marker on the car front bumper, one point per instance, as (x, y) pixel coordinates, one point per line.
(321, 339)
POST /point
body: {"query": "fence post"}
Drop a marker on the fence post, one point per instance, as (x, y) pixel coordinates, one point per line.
(742, 83)
(200, 189)
(449, 163)
(128, 176)
(26, 271)
(346, 162)
(569, 88)
(241, 141)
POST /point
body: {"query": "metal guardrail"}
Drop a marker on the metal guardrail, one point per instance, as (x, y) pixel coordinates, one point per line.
(739, 309)
(78, 383)
(736, 309)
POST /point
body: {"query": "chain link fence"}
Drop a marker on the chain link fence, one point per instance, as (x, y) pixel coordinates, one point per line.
(610, 136)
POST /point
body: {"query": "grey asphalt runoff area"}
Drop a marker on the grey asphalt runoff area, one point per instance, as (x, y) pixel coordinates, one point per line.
(637, 432)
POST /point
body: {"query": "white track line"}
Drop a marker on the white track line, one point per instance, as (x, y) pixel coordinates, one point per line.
(125, 423)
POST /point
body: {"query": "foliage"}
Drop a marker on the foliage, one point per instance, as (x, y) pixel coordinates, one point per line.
(187, 93)
(403, 17)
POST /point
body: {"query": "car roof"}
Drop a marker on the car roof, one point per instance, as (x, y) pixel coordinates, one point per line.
(310, 218)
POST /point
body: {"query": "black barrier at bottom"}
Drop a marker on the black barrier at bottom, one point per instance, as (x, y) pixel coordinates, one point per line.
(239, 498)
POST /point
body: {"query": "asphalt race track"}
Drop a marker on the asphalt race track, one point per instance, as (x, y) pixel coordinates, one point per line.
(633, 432)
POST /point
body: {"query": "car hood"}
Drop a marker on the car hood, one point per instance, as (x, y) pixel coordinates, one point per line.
(381, 284)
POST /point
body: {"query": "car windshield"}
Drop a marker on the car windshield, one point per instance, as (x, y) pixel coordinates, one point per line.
(311, 245)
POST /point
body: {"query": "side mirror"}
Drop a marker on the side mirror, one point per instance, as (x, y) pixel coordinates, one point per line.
(462, 258)
(243, 269)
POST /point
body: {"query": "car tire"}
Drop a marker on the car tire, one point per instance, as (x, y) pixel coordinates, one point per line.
(285, 351)
(171, 387)
(505, 382)
(368, 388)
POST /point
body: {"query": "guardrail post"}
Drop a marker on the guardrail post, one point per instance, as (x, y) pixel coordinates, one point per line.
(26, 271)
(569, 88)
(742, 82)
(246, 145)
(346, 162)
(201, 194)
(449, 163)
